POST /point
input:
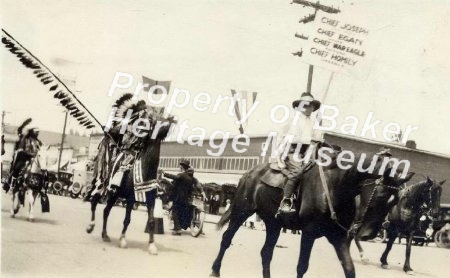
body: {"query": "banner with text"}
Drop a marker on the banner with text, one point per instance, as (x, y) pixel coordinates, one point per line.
(337, 44)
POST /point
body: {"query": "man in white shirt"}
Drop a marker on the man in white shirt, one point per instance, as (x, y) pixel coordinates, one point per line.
(304, 137)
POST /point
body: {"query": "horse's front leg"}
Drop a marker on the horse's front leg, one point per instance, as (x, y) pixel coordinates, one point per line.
(341, 246)
(392, 235)
(306, 245)
(273, 230)
(364, 259)
(150, 199)
(109, 204)
(15, 206)
(406, 267)
(126, 222)
(150, 229)
(31, 198)
(94, 202)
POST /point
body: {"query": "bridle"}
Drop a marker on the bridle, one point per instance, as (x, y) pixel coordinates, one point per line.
(377, 182)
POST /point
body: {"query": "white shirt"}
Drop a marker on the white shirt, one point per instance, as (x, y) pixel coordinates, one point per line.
(301, 127)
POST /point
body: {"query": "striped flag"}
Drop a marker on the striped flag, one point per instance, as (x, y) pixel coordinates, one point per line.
(243, 105)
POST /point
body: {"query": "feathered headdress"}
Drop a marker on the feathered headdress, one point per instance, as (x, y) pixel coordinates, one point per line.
(59, 90)
(125, 102)
(21, 128)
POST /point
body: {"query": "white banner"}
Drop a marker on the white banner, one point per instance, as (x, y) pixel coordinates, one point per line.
(338, 44)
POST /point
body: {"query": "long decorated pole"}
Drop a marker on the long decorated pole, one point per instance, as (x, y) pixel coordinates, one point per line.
(66, 97)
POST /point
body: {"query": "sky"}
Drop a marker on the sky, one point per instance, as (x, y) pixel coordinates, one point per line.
(215, 46)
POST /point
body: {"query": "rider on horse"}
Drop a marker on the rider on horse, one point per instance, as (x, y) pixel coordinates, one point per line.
(113, 145)
(25, 150)
(304, 137)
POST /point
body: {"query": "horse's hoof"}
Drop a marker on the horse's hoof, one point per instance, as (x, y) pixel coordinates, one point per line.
(214, 274)
(105, 237)
(123, 242)
(364, 260)
(410, 272)
(30, 219)
(385, 266)
(90, 228)
(152, 249)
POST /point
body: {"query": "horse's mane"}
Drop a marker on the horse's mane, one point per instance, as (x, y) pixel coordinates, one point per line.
(353, 174)
(412, 191)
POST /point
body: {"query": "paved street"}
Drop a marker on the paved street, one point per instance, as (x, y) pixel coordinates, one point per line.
(56, 245)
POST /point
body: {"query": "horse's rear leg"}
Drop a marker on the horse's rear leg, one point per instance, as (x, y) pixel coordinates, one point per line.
(273, 230)
(306, 245)
(343, 252)
(109, 204)
(235, 222)
(126, 222)
(94, 202)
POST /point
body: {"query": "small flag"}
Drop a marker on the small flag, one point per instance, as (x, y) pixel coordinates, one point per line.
(151, 82)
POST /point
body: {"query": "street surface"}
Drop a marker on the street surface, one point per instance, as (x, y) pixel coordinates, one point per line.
(56, 245)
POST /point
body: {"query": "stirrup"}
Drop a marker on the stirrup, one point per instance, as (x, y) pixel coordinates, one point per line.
(282, 208)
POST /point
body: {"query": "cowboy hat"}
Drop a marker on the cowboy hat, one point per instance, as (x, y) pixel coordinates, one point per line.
(185, 163)
(307, 97)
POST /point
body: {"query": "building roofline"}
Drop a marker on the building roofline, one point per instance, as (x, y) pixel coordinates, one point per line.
(351, 137)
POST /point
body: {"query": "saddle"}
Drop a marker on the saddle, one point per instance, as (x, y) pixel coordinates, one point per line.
(277, 177)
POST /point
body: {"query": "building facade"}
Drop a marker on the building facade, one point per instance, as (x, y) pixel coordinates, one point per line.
(229, 166)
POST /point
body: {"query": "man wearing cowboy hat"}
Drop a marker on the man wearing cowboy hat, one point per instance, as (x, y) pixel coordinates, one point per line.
(183, 186)
(304, 136)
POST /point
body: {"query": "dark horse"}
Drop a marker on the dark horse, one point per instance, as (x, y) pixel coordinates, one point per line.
(147, 165)
(314, 218)
(372, 207)
(404, 217)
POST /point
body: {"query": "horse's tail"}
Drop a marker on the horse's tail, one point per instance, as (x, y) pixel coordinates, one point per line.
(225, 218)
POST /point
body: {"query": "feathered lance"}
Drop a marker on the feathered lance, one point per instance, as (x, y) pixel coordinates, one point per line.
(47, 76)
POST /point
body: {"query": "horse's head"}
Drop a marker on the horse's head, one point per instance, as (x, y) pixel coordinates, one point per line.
(396, 181)
(374, 199)
(164, 124)
(39, 162)
(434, 190)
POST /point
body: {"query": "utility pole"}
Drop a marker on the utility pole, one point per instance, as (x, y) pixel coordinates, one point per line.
(62, 143)
(309, 18)
(3, 118)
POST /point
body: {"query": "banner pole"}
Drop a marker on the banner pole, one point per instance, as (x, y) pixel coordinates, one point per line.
(328, 87)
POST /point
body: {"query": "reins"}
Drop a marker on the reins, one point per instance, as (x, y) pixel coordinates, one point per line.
(333, 215)
(327, 195)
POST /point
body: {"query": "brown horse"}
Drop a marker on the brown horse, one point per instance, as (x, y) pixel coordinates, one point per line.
(314, 217)
(373, 205)
(418, 199)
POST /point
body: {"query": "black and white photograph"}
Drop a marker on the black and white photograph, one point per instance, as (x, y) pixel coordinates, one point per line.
(201, 138)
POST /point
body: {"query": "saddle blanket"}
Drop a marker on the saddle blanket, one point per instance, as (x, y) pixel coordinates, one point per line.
(140, 197)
